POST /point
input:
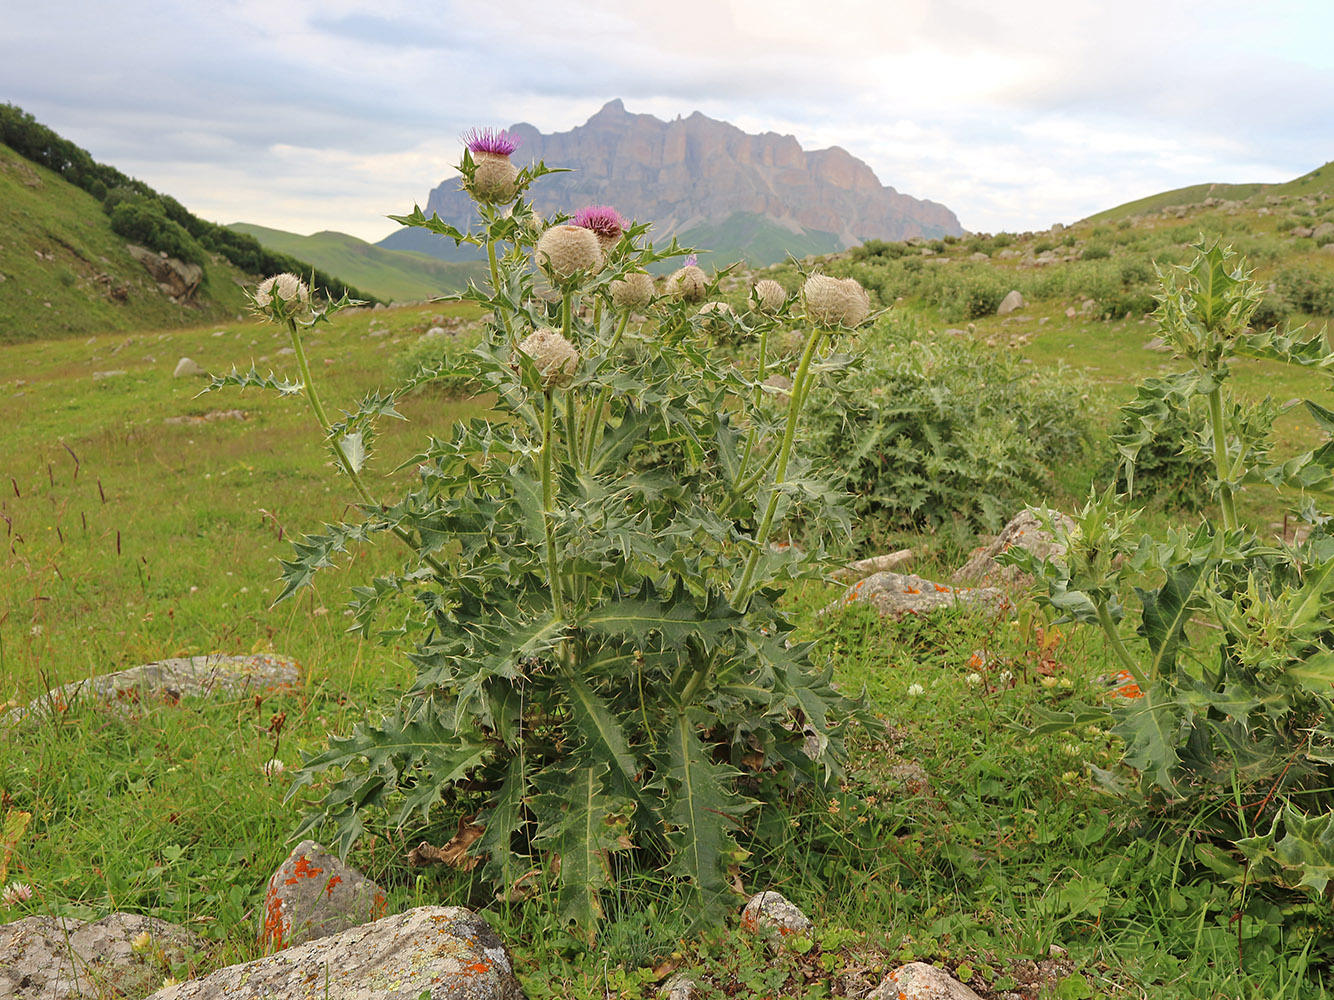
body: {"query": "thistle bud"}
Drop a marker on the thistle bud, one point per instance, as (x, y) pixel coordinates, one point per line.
(714, 316)
(689, 283)
(835, 302)
(495, 177)
(632, 293)
(286, 288)
(566, 249)
(555, 357)
(770, 295)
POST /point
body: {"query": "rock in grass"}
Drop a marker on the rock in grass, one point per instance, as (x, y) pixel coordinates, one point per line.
(900, 594)
(1010, 303)
(187, 368)
(440, 952)
(313, 895)
(919, 981)
(52, 958)
(169, 681)
(1024, 530)
(772, 913)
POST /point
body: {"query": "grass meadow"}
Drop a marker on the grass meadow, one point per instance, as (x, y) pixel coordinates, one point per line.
(140, 521)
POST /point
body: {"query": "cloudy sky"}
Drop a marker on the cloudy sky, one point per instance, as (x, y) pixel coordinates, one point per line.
(308, 115)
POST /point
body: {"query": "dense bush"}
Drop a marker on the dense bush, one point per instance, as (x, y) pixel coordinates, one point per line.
(1096, 251)
(141, 221)
(931, 431)
(1171, 466)
(1309, 289)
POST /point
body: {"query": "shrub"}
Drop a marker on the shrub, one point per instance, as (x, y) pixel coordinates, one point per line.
(1096, 251)
(1309, 289)
(933, 430)
(143, 222)
(1042, 246)
(1171, 465)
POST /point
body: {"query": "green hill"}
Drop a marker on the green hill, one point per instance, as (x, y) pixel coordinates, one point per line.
(64, 272)
(1180, 196)
(387, 274)
(756, 239)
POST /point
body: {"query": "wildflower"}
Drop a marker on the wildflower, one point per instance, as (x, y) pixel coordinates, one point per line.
(273, 767)
(916, 691)
(16, 893)
(688, 283)
(834, 301)
(1006, 678)
(283, 288)
(141, 941)
(495, 177)
(605, 222)
(555, 357)
(35, 630)
(634, 292)
(567, 249)
(973, 679)
(769, 294)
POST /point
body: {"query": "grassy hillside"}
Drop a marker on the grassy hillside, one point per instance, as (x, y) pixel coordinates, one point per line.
(755, 239)
(64, 272)
(388, 274)
(1179, 196)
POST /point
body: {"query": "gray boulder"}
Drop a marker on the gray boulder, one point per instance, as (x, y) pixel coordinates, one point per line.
(919, 981)
(313, 895)
(1024, 530)
(1010, 303)
(186, 368)
(52, 958)
(900, 594)
(773, 914)
(441, 952)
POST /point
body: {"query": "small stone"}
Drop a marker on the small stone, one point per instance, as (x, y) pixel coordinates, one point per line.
(771, 913)
(186, 368)
(919, 981)
(899, 594)
(99, 376)
(679, 987)
(313, 895)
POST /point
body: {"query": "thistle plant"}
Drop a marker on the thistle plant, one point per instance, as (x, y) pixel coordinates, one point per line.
(603, 676)
(1232, 656)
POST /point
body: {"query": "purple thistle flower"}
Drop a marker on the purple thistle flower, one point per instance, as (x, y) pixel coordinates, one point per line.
(607, 223)
(486, 140)
(692, 261)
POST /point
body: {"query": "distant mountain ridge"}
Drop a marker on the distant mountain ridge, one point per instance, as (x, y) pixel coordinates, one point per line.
(698, 174)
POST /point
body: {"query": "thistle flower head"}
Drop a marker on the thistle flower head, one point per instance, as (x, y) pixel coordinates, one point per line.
(634, 292)
(16, 893)
(606, 223)
(689, 283)
(691, 261)
(286, 288)
(482, 141)
(714, 316)
(566, 249)
(835, 302)
(555, 357)
(770, 295)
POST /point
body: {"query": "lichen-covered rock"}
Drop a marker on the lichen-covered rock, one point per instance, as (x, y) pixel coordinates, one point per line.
(919, 981)
(313, 895)
(680, 987)
(169, 681)
(1024, 530)
(443, 952)
(900, 594)
(52, 958)
(771, 912)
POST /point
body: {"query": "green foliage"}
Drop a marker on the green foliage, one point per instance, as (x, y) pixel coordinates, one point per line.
(929, 430)
(1169, 462)
(1239, 709)
(1095, 251)
(142, 222)
(602, 673)
(1309, 289)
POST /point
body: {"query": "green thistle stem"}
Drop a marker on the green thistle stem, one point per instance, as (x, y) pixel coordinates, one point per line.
(495, 289)
(1119, 648)
(741, 598)
(327, 428)
(759, 393)
(548, 493)
(1225, 498)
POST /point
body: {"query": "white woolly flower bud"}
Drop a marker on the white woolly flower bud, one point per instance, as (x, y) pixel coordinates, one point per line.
(494, 179)
(566, 249)
(287, 287)
(634, 292)
(834, 301)
(555, 357)
(689, 283)
(714, 316)
(770, 295)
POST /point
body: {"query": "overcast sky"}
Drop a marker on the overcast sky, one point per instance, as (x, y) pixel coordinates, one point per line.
(307, 115)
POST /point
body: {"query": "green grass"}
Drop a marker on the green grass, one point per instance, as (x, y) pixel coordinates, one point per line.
(1178, 196)
(755, 239)
(394, 275)
(65, 273)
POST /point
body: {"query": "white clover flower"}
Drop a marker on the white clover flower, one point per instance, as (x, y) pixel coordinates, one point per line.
(555, 357)
(567, 249)
(1006, 677)
(273, 767)
(916, 691)
(835, 301)
(770, 295)
(287, 287)
(973, 679)
(16, 893)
